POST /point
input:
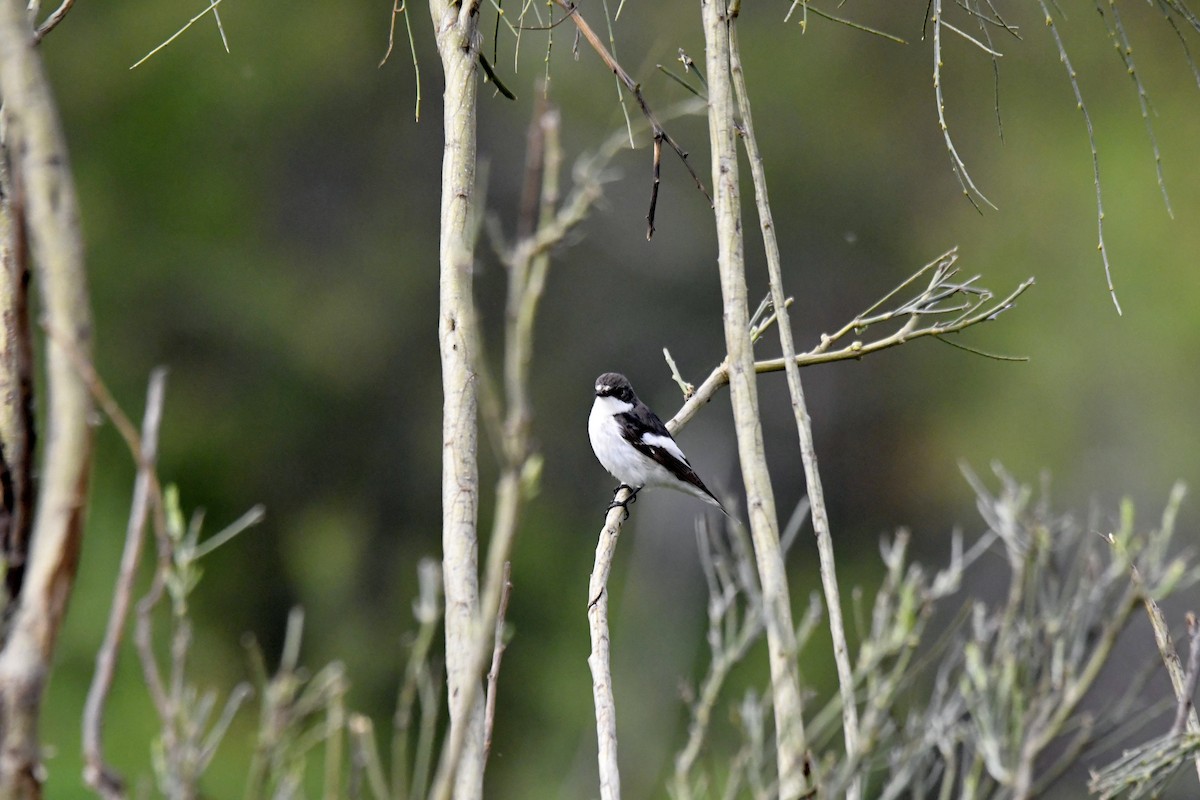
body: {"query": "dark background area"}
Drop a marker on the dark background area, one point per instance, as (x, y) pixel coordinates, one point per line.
(264, 223)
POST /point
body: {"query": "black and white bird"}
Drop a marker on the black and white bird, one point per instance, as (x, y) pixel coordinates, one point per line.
(632, 443)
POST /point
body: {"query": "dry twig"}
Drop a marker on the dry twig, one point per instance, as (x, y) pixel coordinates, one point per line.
(102, 778)
(660, 133)
(493, 676)
(946, 306)
(51, 22)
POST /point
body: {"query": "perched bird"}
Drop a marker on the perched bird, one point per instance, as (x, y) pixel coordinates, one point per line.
(632, 443)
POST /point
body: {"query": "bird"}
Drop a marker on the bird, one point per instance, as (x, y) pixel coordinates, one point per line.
(634, 445)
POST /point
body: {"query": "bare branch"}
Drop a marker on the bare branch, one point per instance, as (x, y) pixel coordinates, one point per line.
(1124, 48)
(52, 21)
(982, 308)
(493, 676)
(211, 7)
(660, 134)
(400, 7)
(790, 744)
(970, 190)
(98, 775)
(38, 152)
(460, 769)
(599, 660)
(1186, 705)
(1087, 120)
(816, 493)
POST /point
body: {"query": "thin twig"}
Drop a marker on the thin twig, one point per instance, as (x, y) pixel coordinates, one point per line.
(493, 676)
(1162, 635)
(211, 7)
(400, 7)
(365, 754)
(1124, 48)
(816, 494)
(1087, 119)
(970, 190)
(983, 311)
(1185, 704)
(51, 22)
(660, 134)
(685, 387)
(102, 778)
(858, 26)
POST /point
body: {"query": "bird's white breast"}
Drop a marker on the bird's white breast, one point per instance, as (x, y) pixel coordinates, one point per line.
(618, 456)
(614, 453)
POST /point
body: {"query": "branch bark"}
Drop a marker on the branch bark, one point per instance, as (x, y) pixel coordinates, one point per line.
(760, 499)
(599, 661)
(39, 155)
(17, 429)
(455, 28)
(103, 779)
(808, 452)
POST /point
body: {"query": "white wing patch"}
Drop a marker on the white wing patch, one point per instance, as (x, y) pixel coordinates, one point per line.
(666, 443)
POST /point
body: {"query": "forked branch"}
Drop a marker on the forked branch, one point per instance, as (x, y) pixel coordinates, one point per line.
(948, 304)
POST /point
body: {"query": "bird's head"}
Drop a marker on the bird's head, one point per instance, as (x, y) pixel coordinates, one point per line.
(614, 384)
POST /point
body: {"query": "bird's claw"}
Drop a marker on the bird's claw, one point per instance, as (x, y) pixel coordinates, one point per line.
(623, 504)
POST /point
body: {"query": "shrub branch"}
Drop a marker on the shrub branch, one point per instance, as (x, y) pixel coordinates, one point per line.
(38, 153)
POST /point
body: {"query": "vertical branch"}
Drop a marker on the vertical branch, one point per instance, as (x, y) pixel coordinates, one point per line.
(764, 526)
(455, 28)
(599, 661)
(17, 431)
(39, 156)
(808, 453)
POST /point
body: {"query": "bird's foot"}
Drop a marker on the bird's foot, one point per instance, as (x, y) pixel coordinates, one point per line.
(623, 504)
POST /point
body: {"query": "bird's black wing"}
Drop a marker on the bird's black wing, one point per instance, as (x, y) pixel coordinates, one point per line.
(640, 421)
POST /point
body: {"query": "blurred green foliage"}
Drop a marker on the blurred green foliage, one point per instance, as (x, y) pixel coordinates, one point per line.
(263, 222)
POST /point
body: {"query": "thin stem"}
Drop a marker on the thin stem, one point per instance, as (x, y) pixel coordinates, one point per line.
(970, 190)
(493, 676)
(632, 86)
(1087, 120)
(816, 494)
(101, 777)
(791, 749)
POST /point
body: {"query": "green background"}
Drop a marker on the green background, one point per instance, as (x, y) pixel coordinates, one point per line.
(264, 224)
